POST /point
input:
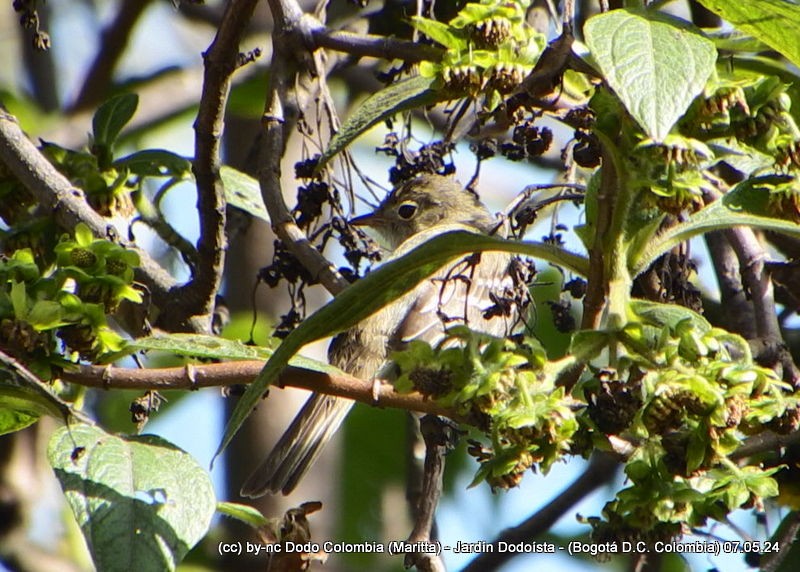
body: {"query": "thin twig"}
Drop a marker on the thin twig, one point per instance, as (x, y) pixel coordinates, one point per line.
(288, 45)
(438, 436)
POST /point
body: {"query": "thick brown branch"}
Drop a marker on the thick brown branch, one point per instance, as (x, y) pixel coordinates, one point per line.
(374, 46)
(243, 372)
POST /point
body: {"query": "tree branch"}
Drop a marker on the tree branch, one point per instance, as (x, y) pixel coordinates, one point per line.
(288, 43)
(68, 203)
(439, 436)
(242, 372)
(196, 298)
(374, 46)
(738, 315)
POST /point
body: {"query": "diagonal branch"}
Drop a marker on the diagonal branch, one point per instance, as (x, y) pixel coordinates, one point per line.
(68, 203)
(289, 44)
(113, 42)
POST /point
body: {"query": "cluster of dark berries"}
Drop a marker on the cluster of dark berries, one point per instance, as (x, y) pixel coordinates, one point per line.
(408, 164)
(527, 141)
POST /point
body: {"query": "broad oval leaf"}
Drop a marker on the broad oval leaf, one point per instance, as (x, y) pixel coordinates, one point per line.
(744, 205)
(141, 502)
(656, 64)
(378, 289)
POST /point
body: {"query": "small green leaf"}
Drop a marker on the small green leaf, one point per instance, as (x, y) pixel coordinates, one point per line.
(83, 235)
(670, 315)
(112, 116)
(23, 399)
(19, 300)
(774, 22)
(401, 96)
(141, 502)
(243, 513)
(155, 163)
(13, 418)
(439, 32)
(655, 63)
(243, 192)
(45, 315)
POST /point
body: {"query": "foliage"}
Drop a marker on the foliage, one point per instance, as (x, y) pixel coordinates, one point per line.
(677, 132)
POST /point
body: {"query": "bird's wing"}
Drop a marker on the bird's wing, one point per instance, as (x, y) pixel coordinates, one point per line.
(471, 291)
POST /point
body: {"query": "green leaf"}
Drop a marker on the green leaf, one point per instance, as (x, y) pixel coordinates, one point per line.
(774, 22)
(655, 63)
(24, 398)
(243, 192)
(378, 289)
(141, 502)
(243, 513)
(199, 346)
(112, 116)
(670, 315)
(214, 347)
(83, 235)
(401, 96)
(155, 163)
(19, 300)
(46, 315)
(439, 32)
(744, 205)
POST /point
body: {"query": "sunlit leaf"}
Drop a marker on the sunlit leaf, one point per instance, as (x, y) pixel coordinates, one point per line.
(656, 64)
(141, 502)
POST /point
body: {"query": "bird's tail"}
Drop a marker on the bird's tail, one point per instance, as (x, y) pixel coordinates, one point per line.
(299, 447)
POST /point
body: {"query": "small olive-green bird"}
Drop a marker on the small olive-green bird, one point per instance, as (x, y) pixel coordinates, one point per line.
(463, 292)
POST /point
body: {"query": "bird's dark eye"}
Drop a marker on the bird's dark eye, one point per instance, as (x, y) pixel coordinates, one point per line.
(407, 210)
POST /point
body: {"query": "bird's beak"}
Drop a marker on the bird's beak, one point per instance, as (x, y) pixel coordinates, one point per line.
(370, 219)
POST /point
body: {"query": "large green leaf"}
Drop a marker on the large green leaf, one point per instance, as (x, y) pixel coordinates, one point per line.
(656, 64)
(378, 289)
(774, 22)
(141, 502)
(401, 96)
(744, 205)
